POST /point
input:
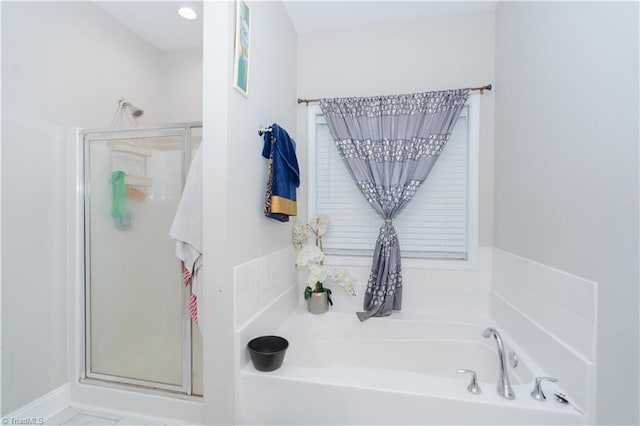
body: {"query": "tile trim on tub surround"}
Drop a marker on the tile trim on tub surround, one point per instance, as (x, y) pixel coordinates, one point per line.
(425, 272)
(553, 316)
(265, 322)
(460, 302)
(563, 304)
(437, 290)
(575, 373)
(261, 281)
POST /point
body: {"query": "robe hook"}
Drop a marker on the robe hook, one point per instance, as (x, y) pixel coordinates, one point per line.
(262, 130)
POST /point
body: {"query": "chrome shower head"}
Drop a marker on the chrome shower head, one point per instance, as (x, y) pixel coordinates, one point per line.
(488, 332)
(128, 110)
(133, 110)
(136, 112)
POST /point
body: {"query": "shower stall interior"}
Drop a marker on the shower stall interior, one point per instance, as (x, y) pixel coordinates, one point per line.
(137, 326)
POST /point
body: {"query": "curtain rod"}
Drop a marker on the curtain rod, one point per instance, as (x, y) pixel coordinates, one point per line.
(481, 89)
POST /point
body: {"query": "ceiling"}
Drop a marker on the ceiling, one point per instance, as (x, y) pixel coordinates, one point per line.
(159, 24)
(311, 16)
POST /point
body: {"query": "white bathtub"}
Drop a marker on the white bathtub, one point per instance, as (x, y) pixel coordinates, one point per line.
(396, 370)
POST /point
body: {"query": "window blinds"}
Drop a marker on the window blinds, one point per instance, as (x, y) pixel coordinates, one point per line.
(434, 223)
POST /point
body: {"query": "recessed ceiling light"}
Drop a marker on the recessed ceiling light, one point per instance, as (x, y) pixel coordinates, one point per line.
(187, 13)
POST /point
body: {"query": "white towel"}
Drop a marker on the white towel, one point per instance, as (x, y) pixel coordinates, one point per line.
(187, 230)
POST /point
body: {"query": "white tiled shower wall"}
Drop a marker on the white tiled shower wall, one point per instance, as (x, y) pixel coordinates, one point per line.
(261, 281)
(553, 315)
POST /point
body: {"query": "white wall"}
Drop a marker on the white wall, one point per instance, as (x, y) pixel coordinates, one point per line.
(413, 56)
(566, 177)
(235, 229)
(59, 70)
(69, 63)
(64, 65)
(181, 85)
(1, 357)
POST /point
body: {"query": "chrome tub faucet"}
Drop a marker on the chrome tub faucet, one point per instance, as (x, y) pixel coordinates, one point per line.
(504, 386)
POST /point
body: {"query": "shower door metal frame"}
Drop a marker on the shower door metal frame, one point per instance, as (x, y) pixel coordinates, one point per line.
(182, 130)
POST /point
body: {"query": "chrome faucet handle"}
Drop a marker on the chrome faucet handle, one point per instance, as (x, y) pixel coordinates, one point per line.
(473, 386)
(537, 393)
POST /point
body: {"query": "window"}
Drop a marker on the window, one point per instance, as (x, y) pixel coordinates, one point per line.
(438, 223)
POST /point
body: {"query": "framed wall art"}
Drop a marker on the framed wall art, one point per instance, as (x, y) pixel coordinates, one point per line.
(242, 48)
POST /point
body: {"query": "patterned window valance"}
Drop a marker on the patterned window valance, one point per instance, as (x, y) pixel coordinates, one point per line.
(415, 103)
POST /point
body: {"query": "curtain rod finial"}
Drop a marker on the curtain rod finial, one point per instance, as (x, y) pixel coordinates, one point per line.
(306, 101)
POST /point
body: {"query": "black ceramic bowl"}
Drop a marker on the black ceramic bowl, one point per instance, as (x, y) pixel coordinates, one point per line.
(267, 352)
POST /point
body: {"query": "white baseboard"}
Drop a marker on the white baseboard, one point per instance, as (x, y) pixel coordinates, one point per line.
(43, 408)
(130, 402)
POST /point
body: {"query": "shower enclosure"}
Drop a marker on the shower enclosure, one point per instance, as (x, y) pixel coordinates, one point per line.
(137, 326)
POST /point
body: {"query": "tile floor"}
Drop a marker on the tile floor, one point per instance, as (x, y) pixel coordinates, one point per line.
(80, 416)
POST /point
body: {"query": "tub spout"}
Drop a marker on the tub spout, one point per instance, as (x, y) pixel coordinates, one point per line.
(504, 386)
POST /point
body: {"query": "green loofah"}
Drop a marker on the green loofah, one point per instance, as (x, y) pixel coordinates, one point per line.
(119, 194)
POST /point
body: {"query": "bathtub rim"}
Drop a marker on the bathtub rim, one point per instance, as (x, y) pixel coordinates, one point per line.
(458, 389)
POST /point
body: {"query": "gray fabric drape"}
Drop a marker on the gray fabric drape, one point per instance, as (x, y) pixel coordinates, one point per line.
(389, 144)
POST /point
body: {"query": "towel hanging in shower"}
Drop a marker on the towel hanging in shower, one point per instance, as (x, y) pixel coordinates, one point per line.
(283, 176)
(187, 231)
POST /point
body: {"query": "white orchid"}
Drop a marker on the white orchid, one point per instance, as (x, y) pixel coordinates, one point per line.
(311, 257)
(317, 273)
(343, 279)
(300, 234)
(308, 255)
(320, 225)
(347, 284)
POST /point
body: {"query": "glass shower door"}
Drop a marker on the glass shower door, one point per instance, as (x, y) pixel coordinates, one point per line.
(138, 330)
